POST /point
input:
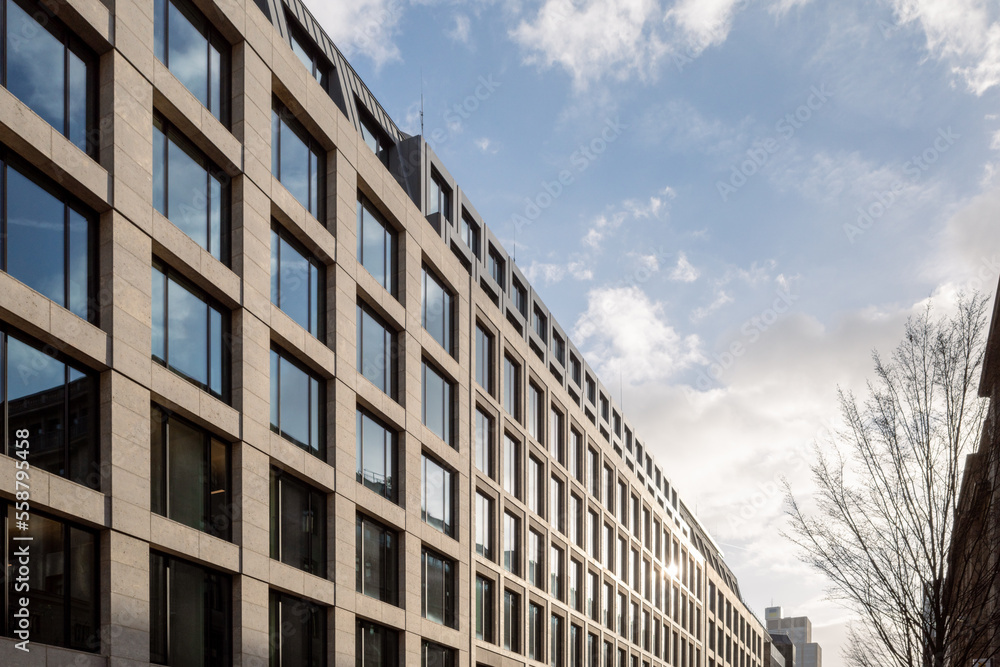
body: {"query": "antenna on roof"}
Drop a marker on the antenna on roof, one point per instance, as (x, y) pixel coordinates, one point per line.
(421, 101)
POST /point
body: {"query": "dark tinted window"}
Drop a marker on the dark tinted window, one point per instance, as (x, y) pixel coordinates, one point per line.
(297, 632)
(190, 474)
(190, 614)
(298, 523)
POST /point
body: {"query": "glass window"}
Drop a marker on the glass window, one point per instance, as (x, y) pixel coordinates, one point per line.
(297, 630)
(298, 523)
(575, 582)
(511, 466)
(436, 498)
(557, 516)
(536, 486)
(484, 609)
(436, 403)
(512, 387)
(575, 462)
(609, 488)
(556, 641)
(55, 406)
(511, 543)
(593, 472)
(376, 343)
(437, 310)
(190, 613)
(512, 621)
(591, 390)
(438, 588)
(62, 584)
(535, 412)
(540, 323)
(439, 200)
(536, 639)
(189, 190)
(470, 235)
(556, 572)
(574, 369)
(50, 70)
(376, 645)
(317, 66)
(559, 348)
(495, 266)
(297, 403)
(622, 615)
(608, 605)
(298, 282)
(593, 650)
(376, 245)
(297, 160)
(595, 535)
(484, 443)
(484, 526)
(376, 564)
(190, 474)
(536, 562)
(556, 440)
(194, 51)
(374, 136)
(575, 518)
(47, 241)
(593, 591)
(436, 655)
(189, 331)
(520, 296)
(376, 454)
(608, 547)
(484, 359)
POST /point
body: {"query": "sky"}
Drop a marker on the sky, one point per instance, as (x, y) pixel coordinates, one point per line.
(729, 203)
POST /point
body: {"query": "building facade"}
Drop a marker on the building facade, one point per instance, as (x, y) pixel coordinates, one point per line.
(807, 653)
(276, 395)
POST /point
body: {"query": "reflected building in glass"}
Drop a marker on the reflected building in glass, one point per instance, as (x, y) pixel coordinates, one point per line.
(275, 394)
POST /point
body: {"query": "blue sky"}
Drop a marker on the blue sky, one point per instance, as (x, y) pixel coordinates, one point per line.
(772, 187)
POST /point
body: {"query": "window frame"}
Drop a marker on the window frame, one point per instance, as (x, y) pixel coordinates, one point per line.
(387, 557)
(216, 525)
(71, 43)
(317, 328)
(449, 603)
(389, 453)
(316, 501)
(320, 450)
(169, 274)
(390, 243)
(71, 204)
(282, 115)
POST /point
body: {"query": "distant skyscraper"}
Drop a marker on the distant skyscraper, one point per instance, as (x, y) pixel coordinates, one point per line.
(799, 631)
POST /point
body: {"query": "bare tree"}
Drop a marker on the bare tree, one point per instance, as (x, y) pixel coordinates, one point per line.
(885, 526)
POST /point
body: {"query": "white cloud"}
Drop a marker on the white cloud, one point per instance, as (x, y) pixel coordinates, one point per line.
(362, 27)
(623, 330)
(965, 33)
(460, 33)
(601, 227)
(554, 273)
(684, 272)
(722, 297)
(487, 145)
(593, 38)
(704, 23)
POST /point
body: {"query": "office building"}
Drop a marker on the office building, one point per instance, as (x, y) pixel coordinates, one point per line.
(284, 397)
(806, 653)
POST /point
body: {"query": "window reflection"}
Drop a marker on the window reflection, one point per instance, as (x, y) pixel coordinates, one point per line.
(297, 282)
(62, 587)
(47, 243)
(188, 331)
(188, 190)
(193, 50)
(296, 403)
(376, 245)
(50, 70)
(296, 159)
(42, 393)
